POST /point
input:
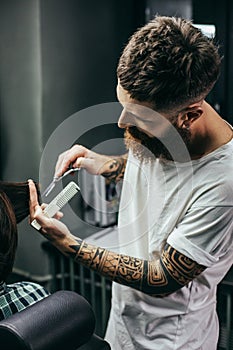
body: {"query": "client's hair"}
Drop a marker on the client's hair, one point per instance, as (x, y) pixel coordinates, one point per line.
(8, 236)
(18, 194)
(14, 207)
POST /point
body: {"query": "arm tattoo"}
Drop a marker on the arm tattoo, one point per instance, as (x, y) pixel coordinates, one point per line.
(116, 169)
(158, 277)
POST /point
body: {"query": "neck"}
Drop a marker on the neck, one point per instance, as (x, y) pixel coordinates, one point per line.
(209, 132)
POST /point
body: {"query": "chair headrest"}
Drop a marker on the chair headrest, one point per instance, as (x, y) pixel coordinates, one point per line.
(63, 320)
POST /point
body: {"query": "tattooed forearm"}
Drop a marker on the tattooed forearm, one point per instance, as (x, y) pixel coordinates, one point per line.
(116, 169)
(157, 277)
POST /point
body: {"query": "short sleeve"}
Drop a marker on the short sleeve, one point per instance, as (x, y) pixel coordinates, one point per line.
(204, 234)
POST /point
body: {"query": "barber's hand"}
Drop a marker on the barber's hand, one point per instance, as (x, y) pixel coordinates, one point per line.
(51, 228)
(80, 157)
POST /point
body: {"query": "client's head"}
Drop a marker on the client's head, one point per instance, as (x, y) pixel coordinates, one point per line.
(8, 236)
(14, 207)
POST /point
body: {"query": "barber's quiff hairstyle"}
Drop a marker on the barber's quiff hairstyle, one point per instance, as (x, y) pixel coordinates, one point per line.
(169, 63)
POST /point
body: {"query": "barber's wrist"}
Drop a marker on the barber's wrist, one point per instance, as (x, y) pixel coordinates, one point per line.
(66, 244)
(114, 169)
(108, 167)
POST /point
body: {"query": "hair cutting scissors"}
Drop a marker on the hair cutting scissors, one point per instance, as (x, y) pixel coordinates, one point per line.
(56, 180)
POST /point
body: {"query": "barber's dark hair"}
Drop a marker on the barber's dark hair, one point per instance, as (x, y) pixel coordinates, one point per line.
(8, 236)
(169, 63)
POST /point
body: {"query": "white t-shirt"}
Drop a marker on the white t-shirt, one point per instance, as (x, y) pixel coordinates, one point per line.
(189, 205)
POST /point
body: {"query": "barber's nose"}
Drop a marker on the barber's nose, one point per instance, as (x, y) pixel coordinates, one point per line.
(126, 119)
(123, 125)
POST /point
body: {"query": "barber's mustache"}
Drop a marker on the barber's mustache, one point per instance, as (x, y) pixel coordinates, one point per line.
(138, 134)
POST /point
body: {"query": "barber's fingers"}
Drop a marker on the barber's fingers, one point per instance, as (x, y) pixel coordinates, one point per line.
(69, 157)
(33, 200)
(90, 164)
(57, 216)
(36, 211)
(34, 207)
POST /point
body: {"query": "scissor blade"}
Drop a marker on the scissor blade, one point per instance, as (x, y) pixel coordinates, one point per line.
(57, 179)
(49, 189)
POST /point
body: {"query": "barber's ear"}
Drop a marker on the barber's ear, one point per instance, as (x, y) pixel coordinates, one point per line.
(190, 115)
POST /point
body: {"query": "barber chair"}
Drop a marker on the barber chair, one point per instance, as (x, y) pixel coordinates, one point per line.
(62, 321)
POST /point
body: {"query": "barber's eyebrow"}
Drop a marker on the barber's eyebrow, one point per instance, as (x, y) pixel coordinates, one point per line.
(139, 116)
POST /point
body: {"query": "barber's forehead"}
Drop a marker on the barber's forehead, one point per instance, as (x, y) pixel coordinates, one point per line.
(138, 110)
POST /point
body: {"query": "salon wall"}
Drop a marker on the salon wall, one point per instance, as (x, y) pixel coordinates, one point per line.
(56, 57)
(21, 108)
(81, 41)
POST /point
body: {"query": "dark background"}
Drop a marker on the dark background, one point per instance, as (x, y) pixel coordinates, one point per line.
(58, 57)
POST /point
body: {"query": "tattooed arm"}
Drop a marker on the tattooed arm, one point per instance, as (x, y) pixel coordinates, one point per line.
(170, 272)
(112, 168)
(158, 277)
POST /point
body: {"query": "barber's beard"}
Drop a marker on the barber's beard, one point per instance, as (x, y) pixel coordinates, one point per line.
(148, 148)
